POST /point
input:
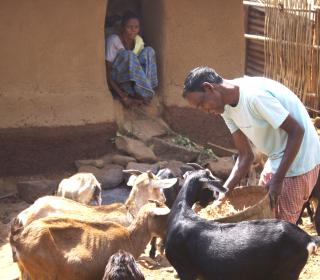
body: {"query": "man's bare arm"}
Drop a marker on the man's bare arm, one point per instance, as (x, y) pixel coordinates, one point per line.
(244, 160)
(295, 136)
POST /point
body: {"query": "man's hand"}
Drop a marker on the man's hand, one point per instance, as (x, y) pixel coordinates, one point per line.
(275, 188)
(221, 199)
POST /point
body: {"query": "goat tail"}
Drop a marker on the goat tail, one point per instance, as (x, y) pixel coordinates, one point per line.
(313, 245)
(15, 230)
(316, 240)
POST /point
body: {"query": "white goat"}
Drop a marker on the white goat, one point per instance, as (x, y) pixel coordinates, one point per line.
(81, 187)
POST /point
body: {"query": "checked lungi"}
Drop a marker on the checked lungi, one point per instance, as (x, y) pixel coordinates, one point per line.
(295, 192)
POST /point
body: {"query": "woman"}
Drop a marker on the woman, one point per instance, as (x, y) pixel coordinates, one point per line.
(131, 68)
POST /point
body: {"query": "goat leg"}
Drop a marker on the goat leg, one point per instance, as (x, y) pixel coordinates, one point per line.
(317, 219)
(310, 211)
(152, 252)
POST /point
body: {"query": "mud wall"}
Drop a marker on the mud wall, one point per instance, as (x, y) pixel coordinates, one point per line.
(55, 105)
(186, 34)
(52, 70)
(207, 32)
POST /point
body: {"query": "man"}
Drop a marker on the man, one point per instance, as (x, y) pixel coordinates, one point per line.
(273, 118)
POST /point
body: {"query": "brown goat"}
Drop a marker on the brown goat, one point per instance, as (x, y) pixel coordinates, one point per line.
(70, 249)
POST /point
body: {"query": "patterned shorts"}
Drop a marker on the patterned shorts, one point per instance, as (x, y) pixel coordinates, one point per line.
(295, 192)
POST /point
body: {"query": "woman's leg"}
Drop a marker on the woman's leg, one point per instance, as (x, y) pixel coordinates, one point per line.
(148, 63)
(129, 74)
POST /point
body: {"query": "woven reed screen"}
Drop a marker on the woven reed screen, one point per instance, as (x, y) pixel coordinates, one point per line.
(292, 47)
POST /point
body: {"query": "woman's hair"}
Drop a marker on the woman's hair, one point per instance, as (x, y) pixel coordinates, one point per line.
(122, 266)
(127, 16)
(197, 77)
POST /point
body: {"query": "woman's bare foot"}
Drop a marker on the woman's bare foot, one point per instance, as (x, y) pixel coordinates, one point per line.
(126, 102)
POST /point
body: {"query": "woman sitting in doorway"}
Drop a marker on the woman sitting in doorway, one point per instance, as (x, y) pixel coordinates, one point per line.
(131, 67)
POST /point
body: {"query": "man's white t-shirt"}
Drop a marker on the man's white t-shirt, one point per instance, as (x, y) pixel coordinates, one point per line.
(263, 106)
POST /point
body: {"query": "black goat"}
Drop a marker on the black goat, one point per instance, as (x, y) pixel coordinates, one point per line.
(250, 250)
(172, 193)
(205, 197)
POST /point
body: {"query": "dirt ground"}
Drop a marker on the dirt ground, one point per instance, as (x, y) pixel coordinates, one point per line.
(159, 269)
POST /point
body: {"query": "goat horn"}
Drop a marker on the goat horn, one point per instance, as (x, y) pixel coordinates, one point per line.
(195, 166)
(132, 172)
(150, 174)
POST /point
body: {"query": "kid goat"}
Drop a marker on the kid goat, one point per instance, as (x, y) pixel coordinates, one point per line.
(81, 187)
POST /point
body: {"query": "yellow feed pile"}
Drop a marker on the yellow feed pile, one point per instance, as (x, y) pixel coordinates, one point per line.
(214, 211)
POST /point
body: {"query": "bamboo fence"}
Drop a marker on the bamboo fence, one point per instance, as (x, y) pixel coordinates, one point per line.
(292, 47)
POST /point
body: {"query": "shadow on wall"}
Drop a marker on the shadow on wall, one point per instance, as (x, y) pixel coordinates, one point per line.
(115, 10)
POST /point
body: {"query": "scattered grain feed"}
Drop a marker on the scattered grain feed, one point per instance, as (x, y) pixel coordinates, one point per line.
(214, 211)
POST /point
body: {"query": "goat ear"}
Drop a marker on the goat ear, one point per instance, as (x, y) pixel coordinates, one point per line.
(132, 172)
(131, 180)
(235, 157)
(195, 166)
(161, 211)
(163, 183)
(150, 174)
(186, 174)
(186, 168)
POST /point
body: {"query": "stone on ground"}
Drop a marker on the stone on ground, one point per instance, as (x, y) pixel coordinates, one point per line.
(122, 160)
(93, 162)
(145, 129)
(178, 167)
(166, 150)
(135, 148)
(110, 176)
(143, 167)
(117, 195)
(29, 191)
(221, 167)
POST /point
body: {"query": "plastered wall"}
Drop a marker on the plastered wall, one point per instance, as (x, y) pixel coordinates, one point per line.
(52, 70)
(192, 33)
(55, 106)
(186, 34)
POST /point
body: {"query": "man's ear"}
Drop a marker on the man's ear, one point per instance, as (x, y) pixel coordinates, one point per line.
(218, 87)
(206, 85)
